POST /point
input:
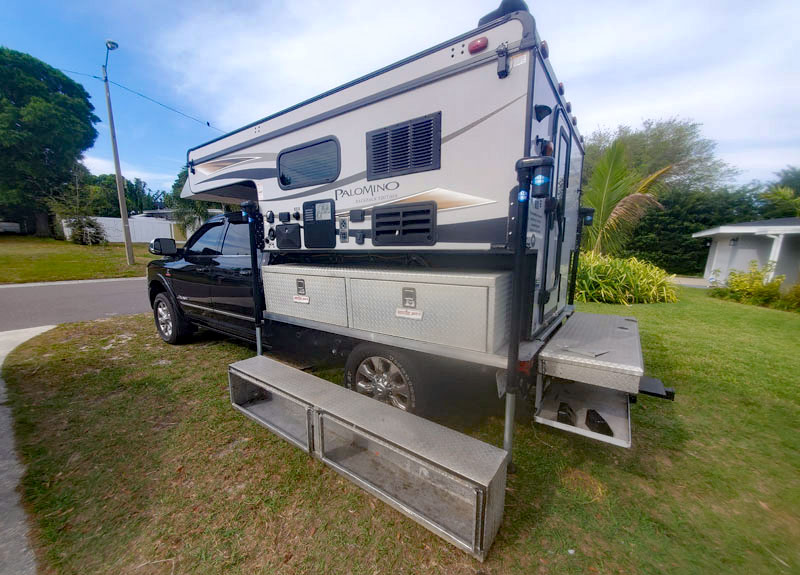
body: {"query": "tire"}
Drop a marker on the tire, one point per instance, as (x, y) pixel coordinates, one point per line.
(170, 325)
(389, 375)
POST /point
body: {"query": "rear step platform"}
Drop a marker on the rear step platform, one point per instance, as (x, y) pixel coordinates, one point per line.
(450, 483)
(601, 350)
(589, 370)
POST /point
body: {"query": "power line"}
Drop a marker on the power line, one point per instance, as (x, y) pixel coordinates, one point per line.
(132, 91)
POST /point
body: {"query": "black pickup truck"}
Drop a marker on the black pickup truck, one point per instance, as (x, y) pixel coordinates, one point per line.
(206, 283)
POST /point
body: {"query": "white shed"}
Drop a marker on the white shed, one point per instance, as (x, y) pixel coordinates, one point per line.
(734, 246)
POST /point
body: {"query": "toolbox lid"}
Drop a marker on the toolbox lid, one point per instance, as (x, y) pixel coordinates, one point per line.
(385, 273)
(460, 454)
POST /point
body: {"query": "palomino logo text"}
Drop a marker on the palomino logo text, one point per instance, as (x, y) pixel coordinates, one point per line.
(368, 190)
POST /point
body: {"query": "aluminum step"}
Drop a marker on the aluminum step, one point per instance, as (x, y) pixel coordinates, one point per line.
(451, 483)
(601, 350)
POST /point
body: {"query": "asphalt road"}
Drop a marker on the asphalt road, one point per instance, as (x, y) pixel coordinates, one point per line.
(32, 305)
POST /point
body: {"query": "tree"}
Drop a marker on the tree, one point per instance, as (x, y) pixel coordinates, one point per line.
(780, 202)
(137, 196)
(46, 123)
(664, 237)
(660, 143)
(789, 177)
(782, 198)
(188, 214)
(90, 195)
(620, 198)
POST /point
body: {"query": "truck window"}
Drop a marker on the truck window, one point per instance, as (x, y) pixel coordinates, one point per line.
(206, 242)
(309, 164)
(237, 240)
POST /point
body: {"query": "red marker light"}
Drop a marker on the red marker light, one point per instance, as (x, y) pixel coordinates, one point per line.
(544, 50)
(478, 44)
(561, 88)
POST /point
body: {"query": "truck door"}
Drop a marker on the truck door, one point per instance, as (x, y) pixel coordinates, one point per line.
(191, 280)
(232, 292)
(556, 222)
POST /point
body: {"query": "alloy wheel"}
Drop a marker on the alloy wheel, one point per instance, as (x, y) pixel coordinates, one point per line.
(380, 378)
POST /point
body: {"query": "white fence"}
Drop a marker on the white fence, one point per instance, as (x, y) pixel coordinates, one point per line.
(142, 229)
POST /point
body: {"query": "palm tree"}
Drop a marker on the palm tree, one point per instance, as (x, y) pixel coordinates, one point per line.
(620, 198)
(188, 214)
(780, 202)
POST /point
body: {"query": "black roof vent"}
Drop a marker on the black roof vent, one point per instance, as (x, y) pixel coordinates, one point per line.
(405, 148)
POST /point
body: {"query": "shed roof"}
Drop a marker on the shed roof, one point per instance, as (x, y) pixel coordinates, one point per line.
(760, 227)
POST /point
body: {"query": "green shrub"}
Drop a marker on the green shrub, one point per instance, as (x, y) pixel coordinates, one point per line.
(789, 301)
(86, 230)
(755, 288)
(608, 279)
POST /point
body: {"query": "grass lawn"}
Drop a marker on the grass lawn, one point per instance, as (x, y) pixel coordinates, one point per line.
(31, 259)
(137, 464)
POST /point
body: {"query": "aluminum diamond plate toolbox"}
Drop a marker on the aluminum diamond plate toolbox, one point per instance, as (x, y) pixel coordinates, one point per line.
(601, 350)
(461, 309)
(308, 296)
(451, 483)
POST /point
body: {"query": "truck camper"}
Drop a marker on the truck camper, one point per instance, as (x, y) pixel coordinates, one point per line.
(430, 209)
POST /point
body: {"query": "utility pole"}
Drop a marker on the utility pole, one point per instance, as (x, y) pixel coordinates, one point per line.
(123, 208)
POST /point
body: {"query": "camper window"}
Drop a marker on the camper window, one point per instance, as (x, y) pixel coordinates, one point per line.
(309, 164)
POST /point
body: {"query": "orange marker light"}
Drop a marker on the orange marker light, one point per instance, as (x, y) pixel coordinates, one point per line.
(478, 44)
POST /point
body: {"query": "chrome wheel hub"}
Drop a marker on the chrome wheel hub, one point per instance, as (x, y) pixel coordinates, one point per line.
(164, 319)
(380, 378)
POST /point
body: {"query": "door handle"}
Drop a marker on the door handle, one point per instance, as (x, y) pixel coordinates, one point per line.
(245, 272)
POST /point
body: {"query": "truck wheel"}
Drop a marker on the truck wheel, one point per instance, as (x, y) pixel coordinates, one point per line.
(389, 375)
(171, 327)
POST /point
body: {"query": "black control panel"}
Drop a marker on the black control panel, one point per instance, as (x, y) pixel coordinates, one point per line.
(319, 226)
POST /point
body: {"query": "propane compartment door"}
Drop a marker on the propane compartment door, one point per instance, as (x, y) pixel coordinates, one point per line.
(596, 412)
(452, 315)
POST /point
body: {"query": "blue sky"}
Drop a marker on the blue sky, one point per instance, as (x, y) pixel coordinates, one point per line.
(730, 65)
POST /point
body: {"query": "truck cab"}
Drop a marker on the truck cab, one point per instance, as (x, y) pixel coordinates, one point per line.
(207, 282)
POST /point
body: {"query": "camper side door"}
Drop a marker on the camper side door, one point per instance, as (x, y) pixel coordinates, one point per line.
(556, 221)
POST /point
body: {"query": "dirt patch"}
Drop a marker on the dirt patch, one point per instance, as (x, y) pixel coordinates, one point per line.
(582, 484)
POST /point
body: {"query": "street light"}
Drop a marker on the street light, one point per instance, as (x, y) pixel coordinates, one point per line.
(123, 208)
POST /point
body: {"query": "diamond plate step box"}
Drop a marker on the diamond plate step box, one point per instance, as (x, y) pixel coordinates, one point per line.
(452, 484)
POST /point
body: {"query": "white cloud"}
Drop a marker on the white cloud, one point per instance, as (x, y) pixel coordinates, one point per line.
(762, 163)
(154, 180)
(242, 65)
(726, 64)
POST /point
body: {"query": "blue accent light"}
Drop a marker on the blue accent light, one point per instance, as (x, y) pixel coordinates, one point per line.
(522, 196)
(540, 180)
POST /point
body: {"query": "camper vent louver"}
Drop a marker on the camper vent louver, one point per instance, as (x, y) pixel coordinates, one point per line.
(405, 148)
(404, 224)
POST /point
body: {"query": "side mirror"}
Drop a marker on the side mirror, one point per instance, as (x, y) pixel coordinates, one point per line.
(163, 247)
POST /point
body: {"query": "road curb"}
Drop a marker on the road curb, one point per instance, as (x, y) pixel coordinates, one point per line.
(71, 282)
(16, 554)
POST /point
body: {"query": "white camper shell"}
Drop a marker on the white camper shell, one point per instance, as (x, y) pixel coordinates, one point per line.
(418, 156)
(389, 206)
